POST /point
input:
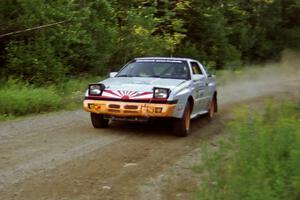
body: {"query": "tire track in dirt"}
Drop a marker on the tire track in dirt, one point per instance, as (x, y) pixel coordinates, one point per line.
(51, 160)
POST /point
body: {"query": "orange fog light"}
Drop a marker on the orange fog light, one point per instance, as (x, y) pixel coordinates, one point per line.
(97, 107)
(150, 109)
(158, 109)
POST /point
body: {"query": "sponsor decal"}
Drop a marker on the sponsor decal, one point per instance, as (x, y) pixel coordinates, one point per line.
(123, 94)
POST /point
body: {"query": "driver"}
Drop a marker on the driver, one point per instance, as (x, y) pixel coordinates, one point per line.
(146, 71)
(179, 71)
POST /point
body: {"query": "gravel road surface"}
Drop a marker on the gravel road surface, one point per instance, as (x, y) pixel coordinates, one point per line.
(60, 156)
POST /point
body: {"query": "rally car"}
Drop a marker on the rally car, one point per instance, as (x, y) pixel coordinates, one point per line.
(154, 87)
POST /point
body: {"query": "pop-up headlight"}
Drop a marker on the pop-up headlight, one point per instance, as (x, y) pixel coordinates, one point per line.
(161, 93)
(96, 89)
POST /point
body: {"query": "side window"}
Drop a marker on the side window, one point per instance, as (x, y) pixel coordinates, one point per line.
(195, 68)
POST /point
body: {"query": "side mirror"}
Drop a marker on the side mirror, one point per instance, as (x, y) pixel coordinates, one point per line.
(198, 77)
(112, 74)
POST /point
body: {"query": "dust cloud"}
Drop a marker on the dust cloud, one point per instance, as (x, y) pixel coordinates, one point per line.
(255, 81)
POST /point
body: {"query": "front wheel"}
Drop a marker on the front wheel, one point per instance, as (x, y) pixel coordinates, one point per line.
(98, 121)
(181, 127)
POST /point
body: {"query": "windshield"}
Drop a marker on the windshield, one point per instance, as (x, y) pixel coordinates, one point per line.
(156, 68)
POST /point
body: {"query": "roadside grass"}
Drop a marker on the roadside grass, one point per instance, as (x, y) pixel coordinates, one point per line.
(259, 161)
(18, 98)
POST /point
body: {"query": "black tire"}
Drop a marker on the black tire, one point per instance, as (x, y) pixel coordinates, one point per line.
(212, 109)
(181, 127)
(98, 121)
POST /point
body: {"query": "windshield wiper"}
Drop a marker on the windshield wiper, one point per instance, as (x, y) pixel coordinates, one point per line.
(151, 76)
(172, 77)
(165, 77)
(124, 75)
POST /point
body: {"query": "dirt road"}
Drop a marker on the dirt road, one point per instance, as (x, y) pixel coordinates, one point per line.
(60, 156)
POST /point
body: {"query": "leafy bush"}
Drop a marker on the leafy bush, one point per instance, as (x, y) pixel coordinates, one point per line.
(80, 40)
(261, 159)
(19, 99)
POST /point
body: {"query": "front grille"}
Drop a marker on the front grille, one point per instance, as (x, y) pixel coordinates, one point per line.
(131, 107)
(114, 106)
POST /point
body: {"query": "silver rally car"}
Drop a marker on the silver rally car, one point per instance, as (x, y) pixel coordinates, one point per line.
(154, 87)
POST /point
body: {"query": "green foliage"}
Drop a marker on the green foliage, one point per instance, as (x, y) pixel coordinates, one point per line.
(18, 98)
(147, 28)
(207, 30)
(260, 160)
(95, 36)
(83, 40)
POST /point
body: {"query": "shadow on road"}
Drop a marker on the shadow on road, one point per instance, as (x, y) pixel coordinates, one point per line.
(157, 127)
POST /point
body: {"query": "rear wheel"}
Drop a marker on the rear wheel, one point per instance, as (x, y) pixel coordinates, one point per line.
(98, 121)
(212, 108)
(181, 127)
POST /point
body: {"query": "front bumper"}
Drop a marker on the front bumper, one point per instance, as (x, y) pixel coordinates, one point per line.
(129, 109)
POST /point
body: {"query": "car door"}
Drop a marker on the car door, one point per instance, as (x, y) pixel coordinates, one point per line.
(199, 85)
(210, 85)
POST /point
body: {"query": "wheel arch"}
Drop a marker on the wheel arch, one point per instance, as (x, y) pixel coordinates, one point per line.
(191, 102)
(216, 100)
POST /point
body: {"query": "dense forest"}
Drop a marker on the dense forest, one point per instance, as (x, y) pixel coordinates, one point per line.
(45, 41)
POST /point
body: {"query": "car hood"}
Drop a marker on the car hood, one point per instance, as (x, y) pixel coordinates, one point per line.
(140, 84)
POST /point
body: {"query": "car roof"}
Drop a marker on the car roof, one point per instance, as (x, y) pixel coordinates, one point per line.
(165, 58)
